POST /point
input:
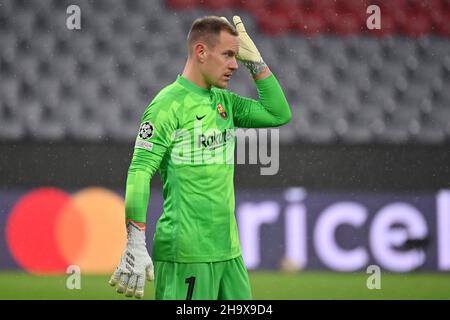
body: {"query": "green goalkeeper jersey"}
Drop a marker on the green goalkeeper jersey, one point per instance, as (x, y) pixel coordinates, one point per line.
(187, 133)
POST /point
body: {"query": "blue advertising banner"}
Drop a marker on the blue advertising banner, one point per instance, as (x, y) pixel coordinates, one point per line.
(44, 230)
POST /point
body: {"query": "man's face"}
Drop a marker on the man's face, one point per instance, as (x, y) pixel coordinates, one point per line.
(220, 61)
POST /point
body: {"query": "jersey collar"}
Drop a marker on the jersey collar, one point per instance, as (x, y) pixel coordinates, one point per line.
(189, 85)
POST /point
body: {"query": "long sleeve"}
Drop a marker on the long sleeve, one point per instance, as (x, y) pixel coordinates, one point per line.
(272, 109)
(137, 192)
(158, 124)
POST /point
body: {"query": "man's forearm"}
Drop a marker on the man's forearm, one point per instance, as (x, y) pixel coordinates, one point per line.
(263, 75)
(137, 195)
(141, 226)
(272, 97)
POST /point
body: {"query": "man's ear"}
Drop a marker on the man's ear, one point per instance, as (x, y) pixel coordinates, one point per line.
(200, 51)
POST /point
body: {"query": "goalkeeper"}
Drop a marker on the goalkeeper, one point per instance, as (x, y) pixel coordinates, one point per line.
(196, 249)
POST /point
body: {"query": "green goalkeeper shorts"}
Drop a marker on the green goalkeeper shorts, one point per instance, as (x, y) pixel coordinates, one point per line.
(223, 280)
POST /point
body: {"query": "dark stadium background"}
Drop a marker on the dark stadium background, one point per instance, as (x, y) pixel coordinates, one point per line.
(370, 129)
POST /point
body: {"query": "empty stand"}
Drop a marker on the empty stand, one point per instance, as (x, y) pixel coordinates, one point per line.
(344, 83)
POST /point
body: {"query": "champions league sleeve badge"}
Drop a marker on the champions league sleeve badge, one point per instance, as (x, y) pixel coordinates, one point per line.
(146, 130)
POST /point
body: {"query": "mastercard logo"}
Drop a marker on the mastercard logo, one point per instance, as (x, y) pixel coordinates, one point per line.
(49, 229)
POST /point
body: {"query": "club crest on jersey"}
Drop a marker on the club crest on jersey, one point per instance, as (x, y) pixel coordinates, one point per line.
(221, 111)
(146, 130)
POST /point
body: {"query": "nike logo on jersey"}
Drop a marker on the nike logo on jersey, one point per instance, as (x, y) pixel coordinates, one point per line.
(200, 118)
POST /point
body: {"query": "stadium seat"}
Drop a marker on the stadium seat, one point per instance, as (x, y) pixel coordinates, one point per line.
(9, 91)
(430, 133)
(181, 4)
(310, 24)
(83, 121)
(120, 122)
(43, 123)
(8, 45)
(23, 23)
(273, 22)
(11, 127)
(420, 24)
(354, 132)
(346, 24)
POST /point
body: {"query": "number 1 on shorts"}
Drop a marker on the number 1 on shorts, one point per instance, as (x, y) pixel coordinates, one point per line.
(191, 282)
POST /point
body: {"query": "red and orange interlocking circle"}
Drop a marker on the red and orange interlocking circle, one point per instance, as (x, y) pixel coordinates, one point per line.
(49, 229)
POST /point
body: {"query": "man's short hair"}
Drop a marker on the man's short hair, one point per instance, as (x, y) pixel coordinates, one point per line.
(208, 30)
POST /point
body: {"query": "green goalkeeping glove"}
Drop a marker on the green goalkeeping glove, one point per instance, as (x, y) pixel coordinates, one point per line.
(248, 53)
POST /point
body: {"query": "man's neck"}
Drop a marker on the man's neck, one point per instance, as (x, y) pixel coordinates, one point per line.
(193, 74)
